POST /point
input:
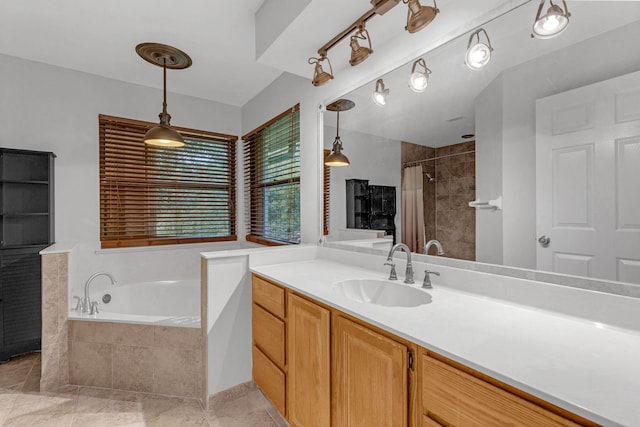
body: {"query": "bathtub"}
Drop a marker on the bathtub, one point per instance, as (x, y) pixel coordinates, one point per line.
(167, 303)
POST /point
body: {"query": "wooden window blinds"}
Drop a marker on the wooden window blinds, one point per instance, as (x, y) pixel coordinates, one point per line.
(326, 193)
(154, 196)
(272, 180)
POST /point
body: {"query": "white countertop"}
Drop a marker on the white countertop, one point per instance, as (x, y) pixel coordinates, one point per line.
(586, 367)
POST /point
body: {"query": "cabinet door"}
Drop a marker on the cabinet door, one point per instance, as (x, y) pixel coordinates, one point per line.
(309, 363)
(369, 377)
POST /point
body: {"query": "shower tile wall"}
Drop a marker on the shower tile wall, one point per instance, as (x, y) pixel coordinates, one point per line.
(447, 214)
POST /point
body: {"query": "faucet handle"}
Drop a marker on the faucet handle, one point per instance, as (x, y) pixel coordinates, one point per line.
(79, 305)
(392, 274)
(426, 283)
(94, 307)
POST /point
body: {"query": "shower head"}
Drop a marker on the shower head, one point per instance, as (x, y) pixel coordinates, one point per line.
(429, 177)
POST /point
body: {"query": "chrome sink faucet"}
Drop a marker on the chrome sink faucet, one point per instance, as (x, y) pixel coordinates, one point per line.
(435, 243)
(408, 275)
(88, 305)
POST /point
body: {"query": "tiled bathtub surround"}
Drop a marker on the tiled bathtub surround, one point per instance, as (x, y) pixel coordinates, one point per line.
(55, 306)
(157, 359)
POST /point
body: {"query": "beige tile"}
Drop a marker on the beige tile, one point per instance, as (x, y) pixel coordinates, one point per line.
(7, 398)
(256, 418)
(166, 411)
(172, 337)
(177, 372)
(50, 367)
(128, 334)
(90, 364)
(13, 375)
(43, 409)
(105, 407)
(96, 332)
(132, 368)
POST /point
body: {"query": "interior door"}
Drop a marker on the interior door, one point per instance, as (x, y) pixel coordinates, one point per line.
(588, 180)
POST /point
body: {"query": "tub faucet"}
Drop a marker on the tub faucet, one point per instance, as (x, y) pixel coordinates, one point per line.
(435, 243)
(408, 275)
(87, 301)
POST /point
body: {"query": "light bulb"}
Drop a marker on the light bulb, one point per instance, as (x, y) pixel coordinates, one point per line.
(478, 56)
(379, 98)
(418, 82)
(551, 23)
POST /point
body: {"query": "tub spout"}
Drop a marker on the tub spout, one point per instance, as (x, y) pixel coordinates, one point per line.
(87, 301)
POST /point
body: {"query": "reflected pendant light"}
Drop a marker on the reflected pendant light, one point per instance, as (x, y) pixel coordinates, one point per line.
(320, 76)
(360, 53)
(380, 94)
(479, 53)
(419, 79)
(419, 16)
(553, 23)
(166, 57)
(336, 158)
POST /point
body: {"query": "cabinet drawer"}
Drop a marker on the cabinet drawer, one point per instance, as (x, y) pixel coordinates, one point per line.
(458, 398)
(270, 379)
(269, 296)
(268, 334)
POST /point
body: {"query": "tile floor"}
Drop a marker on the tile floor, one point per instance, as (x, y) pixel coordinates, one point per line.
(22, 404)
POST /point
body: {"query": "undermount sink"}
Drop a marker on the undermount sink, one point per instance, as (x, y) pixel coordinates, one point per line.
(383, 292)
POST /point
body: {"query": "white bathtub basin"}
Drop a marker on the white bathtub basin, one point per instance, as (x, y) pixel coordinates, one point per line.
(383, 292)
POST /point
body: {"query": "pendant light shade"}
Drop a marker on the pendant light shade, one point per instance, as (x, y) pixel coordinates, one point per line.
(419, 79)
(419, 16)
(359, 53)
(320, 76)
(553, 23)
(166, 57)
(478, 52)
(336, 158)
(380, 94)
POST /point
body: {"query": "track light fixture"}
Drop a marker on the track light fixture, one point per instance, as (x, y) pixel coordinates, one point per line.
(360, 53)
(419, 16)
(166, 57)
(336, 158)
(419, 79)
(479, 53)
(553, 23)
(380, 94)
(320, 76)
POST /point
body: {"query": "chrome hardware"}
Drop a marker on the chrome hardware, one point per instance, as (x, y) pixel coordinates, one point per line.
(426, 283)
(408, 275)
(79, 305)
(435, 243)
(94, 308)
(88, 304)
(544, 241)
(392, 274)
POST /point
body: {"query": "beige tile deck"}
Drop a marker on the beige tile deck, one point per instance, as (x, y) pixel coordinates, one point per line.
(23, 404)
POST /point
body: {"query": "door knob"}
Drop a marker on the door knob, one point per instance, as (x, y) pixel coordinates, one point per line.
(544, 241)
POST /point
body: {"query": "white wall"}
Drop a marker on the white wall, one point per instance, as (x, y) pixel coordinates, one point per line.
(373, 158)
(54, 109)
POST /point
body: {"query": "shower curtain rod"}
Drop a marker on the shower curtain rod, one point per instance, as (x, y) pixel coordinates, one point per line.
(415, 162)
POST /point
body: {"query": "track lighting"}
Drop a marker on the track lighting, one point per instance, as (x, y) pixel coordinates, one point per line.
(320, 76)
(419, 16)
(166, 57)
(553, 23)
(360, 53)
(478, 53)
(419, 80)
(380, 94)
(336, 158)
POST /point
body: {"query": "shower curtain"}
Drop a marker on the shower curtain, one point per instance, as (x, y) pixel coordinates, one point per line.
(413, 208)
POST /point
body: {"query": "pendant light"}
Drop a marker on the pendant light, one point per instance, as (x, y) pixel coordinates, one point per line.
(360, 53)
(320, 76)
(380, 94)
(166, 57)
(553, 23)
(479, 53)
(336, 158)
(419, 79)
(419, 16)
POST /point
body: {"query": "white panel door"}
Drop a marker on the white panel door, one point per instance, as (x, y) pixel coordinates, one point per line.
(588, 180)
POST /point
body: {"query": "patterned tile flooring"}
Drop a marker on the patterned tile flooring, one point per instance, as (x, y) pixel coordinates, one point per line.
(22, 404)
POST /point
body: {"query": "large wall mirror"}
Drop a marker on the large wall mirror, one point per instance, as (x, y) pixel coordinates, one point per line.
(548, 132)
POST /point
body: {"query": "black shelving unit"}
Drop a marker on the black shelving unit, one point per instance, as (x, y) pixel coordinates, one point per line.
(371, 206)
(26, 227)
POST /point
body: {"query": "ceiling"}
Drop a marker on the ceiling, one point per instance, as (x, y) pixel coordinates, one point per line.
(100, 37)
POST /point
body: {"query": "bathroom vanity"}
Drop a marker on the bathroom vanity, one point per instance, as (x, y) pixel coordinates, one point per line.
(326, 356)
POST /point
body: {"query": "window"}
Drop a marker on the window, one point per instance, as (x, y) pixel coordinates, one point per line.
(272, 180)
(326, 192)
(155, 196)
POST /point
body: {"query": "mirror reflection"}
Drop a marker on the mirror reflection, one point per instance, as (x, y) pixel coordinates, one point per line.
(528, 161)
